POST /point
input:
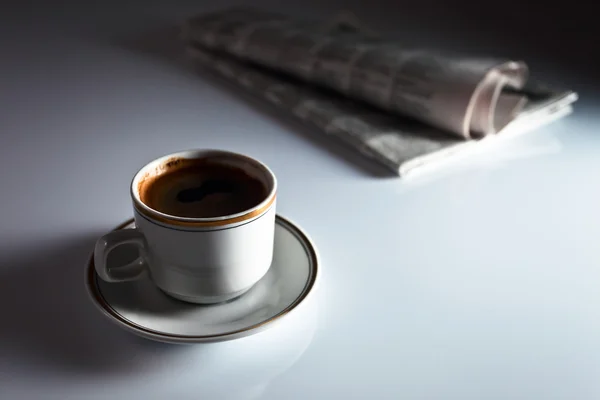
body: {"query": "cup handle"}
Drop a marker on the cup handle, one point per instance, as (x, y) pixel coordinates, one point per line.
(136, 269)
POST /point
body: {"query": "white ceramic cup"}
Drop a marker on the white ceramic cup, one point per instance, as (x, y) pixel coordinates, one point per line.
(198, 260)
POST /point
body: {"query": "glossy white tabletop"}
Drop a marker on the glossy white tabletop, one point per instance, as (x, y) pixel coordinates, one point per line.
(478, 282)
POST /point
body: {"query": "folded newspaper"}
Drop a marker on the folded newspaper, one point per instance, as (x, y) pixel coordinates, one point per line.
(407, 109)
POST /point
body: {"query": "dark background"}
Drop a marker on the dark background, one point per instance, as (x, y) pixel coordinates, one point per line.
(557, 38)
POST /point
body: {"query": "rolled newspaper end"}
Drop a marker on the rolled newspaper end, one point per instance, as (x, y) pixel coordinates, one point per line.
(491, 108)
(464, 96)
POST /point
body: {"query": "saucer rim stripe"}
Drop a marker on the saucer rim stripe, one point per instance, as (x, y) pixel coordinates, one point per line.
(92, 283)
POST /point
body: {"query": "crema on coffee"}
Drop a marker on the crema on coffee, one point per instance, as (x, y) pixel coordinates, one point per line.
(200, 189)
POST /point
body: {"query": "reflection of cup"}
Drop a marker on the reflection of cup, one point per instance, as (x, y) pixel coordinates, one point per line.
(236, 369)
(252, 364)
(199, 258)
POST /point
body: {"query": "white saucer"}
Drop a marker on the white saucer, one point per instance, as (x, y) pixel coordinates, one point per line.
(143, 309)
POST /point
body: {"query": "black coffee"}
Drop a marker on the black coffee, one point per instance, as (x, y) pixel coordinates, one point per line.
(202, 190)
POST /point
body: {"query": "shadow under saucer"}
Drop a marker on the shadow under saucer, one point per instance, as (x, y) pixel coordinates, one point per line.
(49, 320)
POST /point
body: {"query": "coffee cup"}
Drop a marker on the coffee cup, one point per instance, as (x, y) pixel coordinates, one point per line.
(205, 225)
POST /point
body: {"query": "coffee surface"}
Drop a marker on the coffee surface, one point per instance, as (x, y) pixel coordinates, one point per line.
(202, 191)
